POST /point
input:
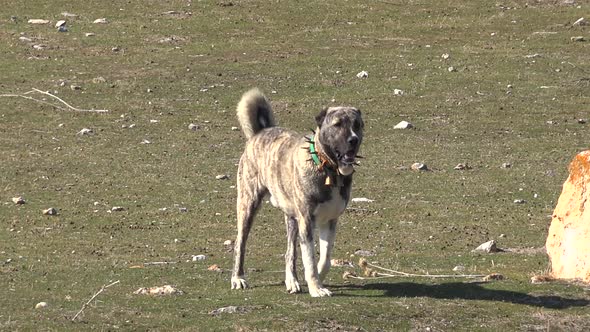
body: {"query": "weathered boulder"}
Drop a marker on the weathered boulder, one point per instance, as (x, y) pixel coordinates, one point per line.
(568, 241)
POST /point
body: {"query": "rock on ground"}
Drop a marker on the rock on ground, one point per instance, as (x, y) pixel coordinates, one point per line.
(568, 241)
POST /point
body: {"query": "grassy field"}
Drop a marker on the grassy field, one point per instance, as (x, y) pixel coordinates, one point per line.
(515, 93)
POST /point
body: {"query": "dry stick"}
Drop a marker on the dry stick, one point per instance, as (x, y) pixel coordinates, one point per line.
(48, 103)
(93, 297)
(404, 274)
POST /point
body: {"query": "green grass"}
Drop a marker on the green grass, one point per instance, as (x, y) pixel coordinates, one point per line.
(308, 53)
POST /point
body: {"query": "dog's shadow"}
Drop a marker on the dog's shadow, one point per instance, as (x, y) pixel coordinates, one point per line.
(469, 291)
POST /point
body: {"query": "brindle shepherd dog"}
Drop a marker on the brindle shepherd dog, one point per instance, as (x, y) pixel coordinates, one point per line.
(308, 178)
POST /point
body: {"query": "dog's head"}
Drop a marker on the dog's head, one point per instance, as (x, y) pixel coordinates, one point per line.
(340, 132)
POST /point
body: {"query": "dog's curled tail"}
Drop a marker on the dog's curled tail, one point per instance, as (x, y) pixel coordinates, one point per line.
(254, 113)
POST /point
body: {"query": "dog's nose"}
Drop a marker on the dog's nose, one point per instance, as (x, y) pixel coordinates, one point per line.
(353, 140)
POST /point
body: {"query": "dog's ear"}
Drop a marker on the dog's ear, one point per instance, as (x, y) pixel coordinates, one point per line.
(319, 119)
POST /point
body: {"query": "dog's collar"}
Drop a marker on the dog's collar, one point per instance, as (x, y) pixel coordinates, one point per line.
(324, 164)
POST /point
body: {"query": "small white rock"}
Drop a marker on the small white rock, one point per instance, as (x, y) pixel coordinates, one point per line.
(519, 201)
(18, 200)
(154, 121)
(117, 208)
(196, 258)
(145, 141)
(452, 69)
(50, 212)
(579, 22)
(506, 165)
(459, 268)
(445, 56)
(66, 14)
(398, 92)
(38, 21)
(403, 125)
(41, 305)
(488, 247)
(85, 131)
(100, 21)
(89, 34)
(419, 167)
(361, 200)
(578, 39)
(39, 47)
(235, 128)
(228, 243)
(193, 127)
(60, 23)
(362, 74)
(222, 177)
(25, 39)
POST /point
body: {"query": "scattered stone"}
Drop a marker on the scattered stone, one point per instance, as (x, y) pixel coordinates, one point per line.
(98, 80)
(568, 244)
(117, 208)
(578, 39)
(506, 165)
(193, 127)
(361, 200)
(362, 74)
(487, 247)
(41, 305)
(196, 258)
(66, 14)
(502, 236)
(159, 291)
(364, 253)
(580, 22)
(61, 26)
(459, 268)
(25, 39)
(419, 167)
(532, 56)
(462, 167)
(50, 212)
(519, 201)
(182, 209)
(235, 128)
(452, 69)
(403, 125)
(493, 277)
(18, 200)
(551, 122)
(228, 243)
(75, 87)
(145, 141)
(341, 263)
(100, 21)
(85, 131)
(115, 49)
(38, 21)
(39, 47)
(398, 92)
(222, 177)
(581, 121)
(214, 268)
(445, 56)
(89, 34)
(230, 310)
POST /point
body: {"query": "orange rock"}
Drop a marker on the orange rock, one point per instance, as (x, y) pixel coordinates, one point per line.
(568, 241)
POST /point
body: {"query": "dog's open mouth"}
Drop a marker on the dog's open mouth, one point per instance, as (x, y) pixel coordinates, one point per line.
(348, 158)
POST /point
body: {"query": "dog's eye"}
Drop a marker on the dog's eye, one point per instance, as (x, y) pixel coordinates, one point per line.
(337, 123)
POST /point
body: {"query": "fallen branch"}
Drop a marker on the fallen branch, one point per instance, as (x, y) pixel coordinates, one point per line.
(93, 297)
(24, 95)
(366, 266)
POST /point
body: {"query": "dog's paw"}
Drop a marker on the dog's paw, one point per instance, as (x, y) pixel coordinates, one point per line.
(238, 283)
(319, 292)
(292, 286)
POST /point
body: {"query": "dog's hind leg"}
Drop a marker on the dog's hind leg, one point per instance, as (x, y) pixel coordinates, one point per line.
(291, 256)
(314, 284)
(327, 236)
(250, 194)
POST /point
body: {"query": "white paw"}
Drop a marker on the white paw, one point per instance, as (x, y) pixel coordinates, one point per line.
(319, 292)
(292, 286)
(238, 283)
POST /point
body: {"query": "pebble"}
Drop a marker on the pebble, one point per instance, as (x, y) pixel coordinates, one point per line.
(235, 128)
(403, 125)
(75, 87)
(161, 290)
(519, 201)
(196, 258)
(25, 39)
(18, 200)
(117, 208)
(50, 212)
(578, 39)
(193, 127)
(41, 305)
(461, 167)
(362, 74)
(506, 165)
(60, 23)
(459, 268)
(581, 121)
(145, 141)
(98, 80)
(214, 268)
(364, 253)
(419, 167)
(38, 21)
(361, 200)
(85, 131)
(39, 46)
(66, 14)
(452, 69)
(89, 34)
(228, 243)
(100, 21)
(445, 56)
(182, 209)
(398, 92)
(222, 177)
(488, 247)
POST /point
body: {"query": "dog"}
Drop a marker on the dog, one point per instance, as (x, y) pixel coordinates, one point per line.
(308, 178)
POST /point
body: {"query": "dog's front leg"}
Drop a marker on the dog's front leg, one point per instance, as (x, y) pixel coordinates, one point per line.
(291, 256)
(307, 256)
(327, 237)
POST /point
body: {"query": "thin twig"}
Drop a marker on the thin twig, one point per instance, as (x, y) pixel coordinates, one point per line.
(158, 263)
(93, 297)
(48, 103)
(399, 273)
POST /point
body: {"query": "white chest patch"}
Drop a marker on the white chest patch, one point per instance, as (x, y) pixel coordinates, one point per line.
(331, 209)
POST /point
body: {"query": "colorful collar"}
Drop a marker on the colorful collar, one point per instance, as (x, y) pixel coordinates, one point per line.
(313, 152)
